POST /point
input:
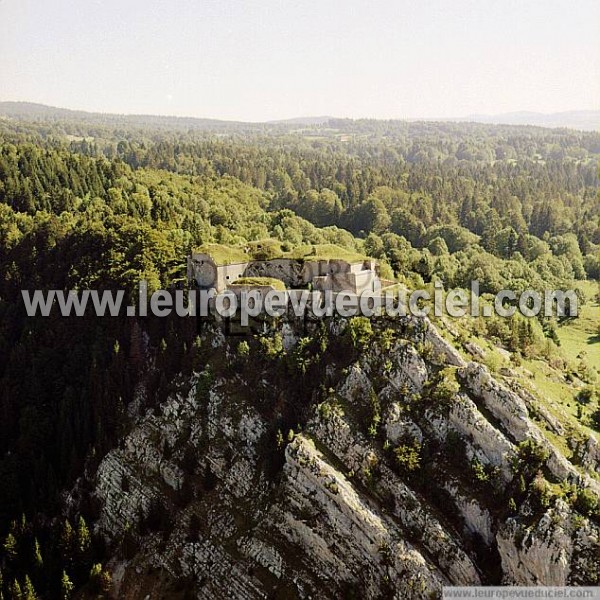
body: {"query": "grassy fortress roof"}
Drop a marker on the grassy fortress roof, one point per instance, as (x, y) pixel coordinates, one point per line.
(276, 284)
(224, 255)
(272, 249)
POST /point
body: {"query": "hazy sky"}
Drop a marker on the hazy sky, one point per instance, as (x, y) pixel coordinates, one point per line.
(270, 59)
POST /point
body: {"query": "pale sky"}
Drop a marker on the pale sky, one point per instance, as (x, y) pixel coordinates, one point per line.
(270, 59)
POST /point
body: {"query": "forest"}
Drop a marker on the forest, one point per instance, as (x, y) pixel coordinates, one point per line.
(102, 204)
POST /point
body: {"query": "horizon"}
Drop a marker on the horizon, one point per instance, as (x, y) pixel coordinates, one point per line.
(456, 118)
(260, 62)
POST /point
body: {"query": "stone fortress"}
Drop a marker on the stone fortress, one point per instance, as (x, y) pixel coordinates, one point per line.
(335, 275)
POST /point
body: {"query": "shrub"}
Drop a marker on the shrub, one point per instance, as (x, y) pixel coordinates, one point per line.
(386, 339)
(243, 349)
(360, 331)
(479, 471)
(586, 395)
(444, 387)
(532, 454)
(205, 382)
(586, 502)
(541, 492)
(595, 419)
(408, 456)
(100, 579)
(272, 346)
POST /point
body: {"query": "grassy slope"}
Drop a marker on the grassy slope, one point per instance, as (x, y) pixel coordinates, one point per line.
(255, 281)
(224, 255)
(547, 383)
(576, 336)
(325, 252)
(583, 334)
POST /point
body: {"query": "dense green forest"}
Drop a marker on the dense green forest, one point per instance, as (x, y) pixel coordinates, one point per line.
(103, 205)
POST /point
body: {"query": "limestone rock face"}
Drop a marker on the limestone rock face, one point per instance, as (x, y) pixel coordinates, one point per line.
(558, 549)
(443, 350)
(540, 556)
(365, 477)
(408, 373)
(398, 427)
(505, 406)
(588, 452)
(414, 516)
(350, 534)
(477, 520)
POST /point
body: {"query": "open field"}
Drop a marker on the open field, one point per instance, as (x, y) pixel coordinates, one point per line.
(581, 337)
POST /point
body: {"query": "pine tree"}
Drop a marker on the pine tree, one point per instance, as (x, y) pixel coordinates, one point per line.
(66, 586)
(83, 536)
(15, 591)
(28, 590)
(10, 547)
(66, 541)
(37, 554)
(100, 578)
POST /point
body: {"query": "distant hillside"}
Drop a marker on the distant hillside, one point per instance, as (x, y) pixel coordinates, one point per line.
(587, 120)
(40, 112)
(29, 111)
(308, 121)
(33, 111)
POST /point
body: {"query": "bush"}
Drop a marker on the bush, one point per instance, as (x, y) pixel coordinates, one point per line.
(205, 382)
(360, 331)
(531, 454)
(100, 579)
(586, 503)
(408, 456)
(479, 471)
(443, 388)
(595, 419)
(272, 347)
(243, 349)
(541, 492)
(586, 395)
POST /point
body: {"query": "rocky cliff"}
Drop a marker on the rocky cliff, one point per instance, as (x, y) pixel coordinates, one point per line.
(317, 462)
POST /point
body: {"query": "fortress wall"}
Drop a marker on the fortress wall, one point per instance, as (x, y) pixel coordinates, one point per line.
(201, 269)
(355, 283)
(312, 269)
(335, 275)
(365, 281)
(287, 270)
(323, 283)
(263, 290)
(339, 266)
(228, 274)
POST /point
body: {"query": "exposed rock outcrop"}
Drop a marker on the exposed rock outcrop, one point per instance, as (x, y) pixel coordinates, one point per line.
(387, 487)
